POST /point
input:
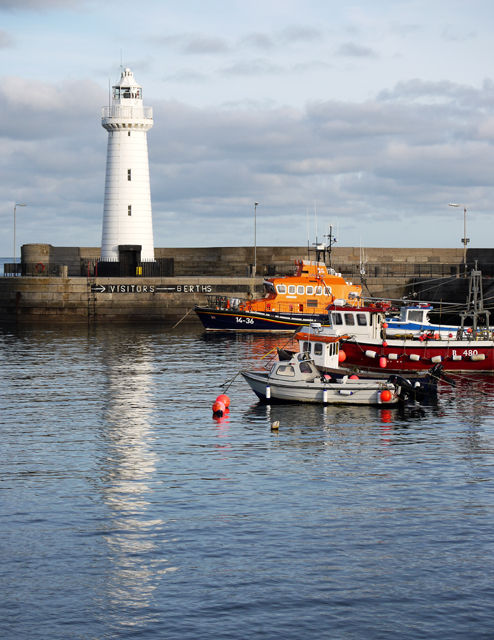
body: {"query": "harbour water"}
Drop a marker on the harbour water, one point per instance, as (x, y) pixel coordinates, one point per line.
(128, 511)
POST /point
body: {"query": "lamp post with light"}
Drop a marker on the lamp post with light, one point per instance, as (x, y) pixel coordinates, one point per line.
(465, 240)
(255, 239)
(15, 210)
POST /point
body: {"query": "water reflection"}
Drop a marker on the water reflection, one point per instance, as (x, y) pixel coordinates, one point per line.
(128, 466)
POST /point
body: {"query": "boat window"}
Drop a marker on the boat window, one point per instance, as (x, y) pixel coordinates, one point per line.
(337, 319)
(305, 367)
(291, 288)
(286, 370)
(318, 291)
(268, 287)
(327, 291)
(281, 288)
(312, 303)
(318, 348)
(310, 291)
(361, 320)
(306, 347)
(300, 289)
(415, 316)
(349, 319)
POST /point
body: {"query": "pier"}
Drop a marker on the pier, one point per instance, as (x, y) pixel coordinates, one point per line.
(63, 285)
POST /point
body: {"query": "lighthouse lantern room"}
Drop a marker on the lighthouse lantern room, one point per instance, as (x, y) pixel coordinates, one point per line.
(127, 217)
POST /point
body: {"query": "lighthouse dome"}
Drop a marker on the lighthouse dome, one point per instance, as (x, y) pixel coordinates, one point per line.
(127, 87)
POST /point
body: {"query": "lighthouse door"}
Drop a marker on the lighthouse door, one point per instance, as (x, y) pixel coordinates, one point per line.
(130, 257)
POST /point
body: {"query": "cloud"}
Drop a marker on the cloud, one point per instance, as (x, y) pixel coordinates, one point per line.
(397, 157)
(194, 44)
(37, 110)
(38, 5)
(296, 34)
(5, 40)
(353, 50)
(259, 67)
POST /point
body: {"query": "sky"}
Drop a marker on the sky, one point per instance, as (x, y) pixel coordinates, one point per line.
(370, 116)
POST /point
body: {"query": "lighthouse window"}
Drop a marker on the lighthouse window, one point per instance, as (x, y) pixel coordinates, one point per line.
(129, 174)
(129, 210)
(281, 288)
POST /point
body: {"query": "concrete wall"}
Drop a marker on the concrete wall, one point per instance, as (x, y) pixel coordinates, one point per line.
(80, 300)
(235, 261)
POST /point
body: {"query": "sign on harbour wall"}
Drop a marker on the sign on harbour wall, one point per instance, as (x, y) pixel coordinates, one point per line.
(152, 288)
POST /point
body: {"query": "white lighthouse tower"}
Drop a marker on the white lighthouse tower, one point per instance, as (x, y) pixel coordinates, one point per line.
(127, 217)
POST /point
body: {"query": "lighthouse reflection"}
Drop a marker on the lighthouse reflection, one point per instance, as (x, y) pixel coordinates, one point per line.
(128, 475)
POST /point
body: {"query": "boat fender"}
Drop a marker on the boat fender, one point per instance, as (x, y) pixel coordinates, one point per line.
(346, 392)
(436, 359)
(415, 357)
(325, 396)
(478, 356)
(386, 395)
(383, 362)
(392, 356)
(371, 354)
(456, 358)
(268, 392)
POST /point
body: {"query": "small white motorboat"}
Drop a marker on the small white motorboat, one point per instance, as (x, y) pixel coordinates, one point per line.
(299, 380)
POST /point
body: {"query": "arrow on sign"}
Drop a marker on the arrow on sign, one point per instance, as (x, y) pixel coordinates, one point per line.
(166, 288)
(99, 289)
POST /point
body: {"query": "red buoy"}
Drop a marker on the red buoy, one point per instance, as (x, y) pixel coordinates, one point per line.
(386, 395)
(341, 356)
(224, 399)
(385, 344)
(354, 377)
(218, 408)
(383, 362)
(385, 325)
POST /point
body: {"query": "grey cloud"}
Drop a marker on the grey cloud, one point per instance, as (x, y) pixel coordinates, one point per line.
(455, 36)
(352, 50)
(297, 34)
(381, 156)
(196, 44)
(5, 40)
(186, 76)
(36, 110)
(252, 68)
(38, 5)
(258, 41)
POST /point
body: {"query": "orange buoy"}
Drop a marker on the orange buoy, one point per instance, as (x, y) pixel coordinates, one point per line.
(386, 395)
(385, 344)
(385, 325)
(224, 399)
(383, 362)
(354, 377)
(341, 356)
(218, 408)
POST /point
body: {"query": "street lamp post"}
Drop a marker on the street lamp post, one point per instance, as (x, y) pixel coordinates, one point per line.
(255, 239)
(15, 209)
(465, 240)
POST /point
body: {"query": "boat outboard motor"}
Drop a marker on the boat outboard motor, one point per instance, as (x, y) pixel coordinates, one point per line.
(437, 372)
(407, 390)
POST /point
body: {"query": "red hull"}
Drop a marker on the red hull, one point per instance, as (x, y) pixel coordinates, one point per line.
(468, 351)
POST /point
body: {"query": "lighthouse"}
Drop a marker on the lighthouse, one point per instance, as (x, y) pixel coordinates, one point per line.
(127, 217)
